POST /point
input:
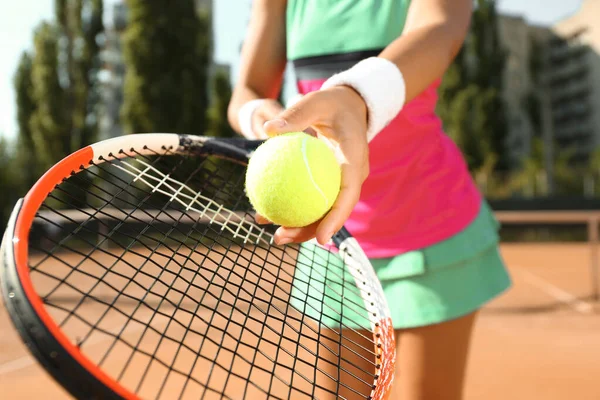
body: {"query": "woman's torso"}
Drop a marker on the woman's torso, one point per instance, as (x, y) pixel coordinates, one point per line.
(419, 191)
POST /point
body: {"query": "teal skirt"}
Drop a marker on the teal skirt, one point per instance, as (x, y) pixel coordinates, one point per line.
(439, 283)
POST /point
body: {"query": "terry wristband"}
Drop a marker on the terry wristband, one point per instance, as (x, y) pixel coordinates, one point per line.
(245, 117)
(382, 87)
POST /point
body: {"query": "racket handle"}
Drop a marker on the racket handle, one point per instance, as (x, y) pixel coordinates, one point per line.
(341, 236)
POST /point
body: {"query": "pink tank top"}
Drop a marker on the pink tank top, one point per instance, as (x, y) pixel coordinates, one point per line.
(419, 190)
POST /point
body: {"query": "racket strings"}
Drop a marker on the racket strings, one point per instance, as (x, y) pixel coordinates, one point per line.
(188, 207)
(62, 281)
(179, 268)
(194, 200)
(337, 275)
(172, 219)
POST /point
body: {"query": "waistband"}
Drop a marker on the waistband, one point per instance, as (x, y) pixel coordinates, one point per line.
(324, 66)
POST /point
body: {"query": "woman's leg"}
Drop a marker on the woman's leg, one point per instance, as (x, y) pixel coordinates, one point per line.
(432, 360)
(352, 363)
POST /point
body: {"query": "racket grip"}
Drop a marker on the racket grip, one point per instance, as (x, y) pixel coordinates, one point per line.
(341, 236)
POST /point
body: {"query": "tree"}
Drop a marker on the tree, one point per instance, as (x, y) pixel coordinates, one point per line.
(471, 103)
(467, 125)
(50, 122)
(166, 49)
(56, 94)
(26, 108)
(89, 67)
(79, 22)
(218, 124)
(56, 86)
(8, 182)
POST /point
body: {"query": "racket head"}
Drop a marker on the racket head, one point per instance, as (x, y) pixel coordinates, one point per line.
(60, 351)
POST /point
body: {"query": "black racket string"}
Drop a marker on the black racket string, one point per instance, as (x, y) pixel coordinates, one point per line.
(107, 237)
(132, 191)
(173, 220)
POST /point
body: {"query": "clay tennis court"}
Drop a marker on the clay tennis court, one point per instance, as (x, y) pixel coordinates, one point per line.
(539, 340)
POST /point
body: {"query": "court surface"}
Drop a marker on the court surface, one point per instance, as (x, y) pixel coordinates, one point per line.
(538, 340)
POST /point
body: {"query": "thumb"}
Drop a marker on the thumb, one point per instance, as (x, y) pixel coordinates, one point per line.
(297, 118)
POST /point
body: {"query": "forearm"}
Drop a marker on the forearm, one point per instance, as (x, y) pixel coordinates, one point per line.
(424, 54)
(263, 57)
(433, 34)
(243, 94)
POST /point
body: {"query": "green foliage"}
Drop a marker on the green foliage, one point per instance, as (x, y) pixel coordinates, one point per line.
(471, 104)
(166, 48)
(50, 121)
(218, 124)
(469, 125)
(56, 87)
(26, 105)
(9, 181)
(79, 23)
(88, 66)
(56, 94)
(531, 181)
(26, 108)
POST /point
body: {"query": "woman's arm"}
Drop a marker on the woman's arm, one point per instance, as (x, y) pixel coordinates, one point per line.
(433, 34)
(263, 60)
(354, 105)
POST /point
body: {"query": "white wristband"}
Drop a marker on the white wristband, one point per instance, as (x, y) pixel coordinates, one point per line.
(245, 117)
(382, 87)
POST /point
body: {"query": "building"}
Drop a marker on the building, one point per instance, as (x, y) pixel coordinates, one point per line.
(515, 35)
(112, 75)
(558, 68)
(574, 80)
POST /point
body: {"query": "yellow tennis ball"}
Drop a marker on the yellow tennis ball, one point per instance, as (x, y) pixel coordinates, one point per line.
(293, 179)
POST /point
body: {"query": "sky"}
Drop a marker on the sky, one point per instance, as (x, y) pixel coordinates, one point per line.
(19, 18)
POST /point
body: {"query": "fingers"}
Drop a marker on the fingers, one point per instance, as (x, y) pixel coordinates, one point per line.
(261, 220)
(354, 172)
(324, 229)
(297, 118)
(267, 111)
(285, 235)
(271, 109)
(354, 160)
(343, 206)
(325, 113)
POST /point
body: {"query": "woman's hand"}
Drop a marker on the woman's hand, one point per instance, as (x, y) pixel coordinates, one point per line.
(268, 110)
(339, 116)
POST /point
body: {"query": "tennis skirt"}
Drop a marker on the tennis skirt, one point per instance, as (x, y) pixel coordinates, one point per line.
(439, 283)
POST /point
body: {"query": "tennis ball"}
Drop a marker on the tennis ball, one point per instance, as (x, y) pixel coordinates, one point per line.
(293, 179)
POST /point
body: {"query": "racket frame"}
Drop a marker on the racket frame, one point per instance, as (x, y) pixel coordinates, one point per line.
(38, 330)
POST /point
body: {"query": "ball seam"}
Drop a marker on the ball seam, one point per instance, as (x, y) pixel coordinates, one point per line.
(310, 175)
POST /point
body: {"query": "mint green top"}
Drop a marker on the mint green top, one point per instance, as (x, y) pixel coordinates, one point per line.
(322, 27)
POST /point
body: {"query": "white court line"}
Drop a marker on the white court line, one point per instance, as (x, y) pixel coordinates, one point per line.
(559, 294)
(27, 361)
(15, 365)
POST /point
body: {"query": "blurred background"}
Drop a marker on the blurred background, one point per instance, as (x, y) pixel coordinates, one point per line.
(522, 100)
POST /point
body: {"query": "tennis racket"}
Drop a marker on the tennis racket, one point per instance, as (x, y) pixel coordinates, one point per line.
(134, 268)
